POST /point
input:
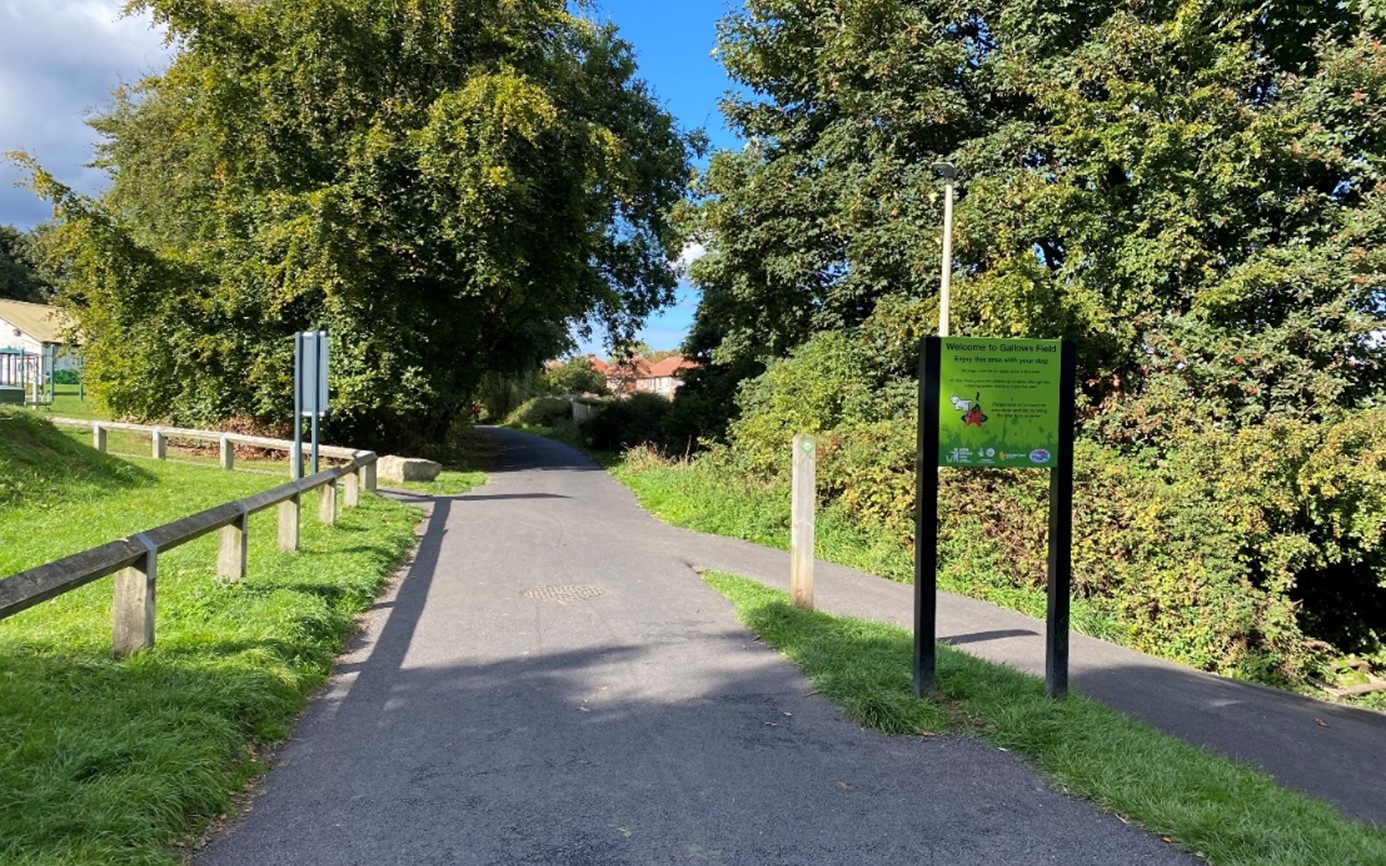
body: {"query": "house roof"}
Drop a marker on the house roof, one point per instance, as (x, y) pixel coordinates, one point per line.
(669, 366)
(43, 322)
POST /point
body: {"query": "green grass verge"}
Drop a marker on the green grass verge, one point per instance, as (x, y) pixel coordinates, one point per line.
(68, 403)
(105, 761)
(448, 483)
(1212, 807)
(59, 497)
(701, 496)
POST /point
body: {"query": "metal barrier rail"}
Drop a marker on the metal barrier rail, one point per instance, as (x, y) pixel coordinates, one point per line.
(134, 560)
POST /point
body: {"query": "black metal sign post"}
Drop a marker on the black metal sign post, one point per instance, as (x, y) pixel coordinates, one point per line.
(1060, 535)
(926, 521)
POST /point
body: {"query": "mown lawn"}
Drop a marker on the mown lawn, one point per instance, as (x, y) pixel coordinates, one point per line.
(105, 761)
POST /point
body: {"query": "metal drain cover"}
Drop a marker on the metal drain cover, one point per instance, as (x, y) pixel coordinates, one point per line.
(563, 593)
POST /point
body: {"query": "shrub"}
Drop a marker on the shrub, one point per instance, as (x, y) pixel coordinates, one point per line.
(541, 412)
(1226, 552)
(829, 382)
(573, 376)
(635, 420)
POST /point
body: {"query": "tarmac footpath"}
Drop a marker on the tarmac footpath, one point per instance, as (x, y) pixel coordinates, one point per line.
(551, 682)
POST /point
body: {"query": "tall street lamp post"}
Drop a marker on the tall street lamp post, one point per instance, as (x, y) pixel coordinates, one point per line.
(949, 175)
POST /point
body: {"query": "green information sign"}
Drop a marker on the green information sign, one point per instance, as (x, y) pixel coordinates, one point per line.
(999, 402)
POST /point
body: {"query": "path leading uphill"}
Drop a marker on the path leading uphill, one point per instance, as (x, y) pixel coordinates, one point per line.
(632, 720)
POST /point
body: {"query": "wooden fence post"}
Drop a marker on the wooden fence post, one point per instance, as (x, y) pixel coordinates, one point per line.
(134, 602)
(327, 503)
(160, 446)
(233, 548)
(352, 489)
(228, 454)
(801, 539)
(370, 475)
(98, 436)
(288, 523)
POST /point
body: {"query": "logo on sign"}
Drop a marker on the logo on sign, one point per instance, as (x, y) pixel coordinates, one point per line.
(1039, 455)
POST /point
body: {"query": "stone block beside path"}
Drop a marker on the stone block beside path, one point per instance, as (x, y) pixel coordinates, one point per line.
(393, 468)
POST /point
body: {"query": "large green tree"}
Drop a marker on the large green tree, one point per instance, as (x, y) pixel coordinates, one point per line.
(19, 279)
(1192, 189)
(448, 186)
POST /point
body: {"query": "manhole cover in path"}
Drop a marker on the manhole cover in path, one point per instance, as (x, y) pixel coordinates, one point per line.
(563, 593)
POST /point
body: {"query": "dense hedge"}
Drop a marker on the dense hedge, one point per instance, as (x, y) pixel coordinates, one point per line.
(635, 420)
(542, 412)
(1233, 551)
(1256, 552)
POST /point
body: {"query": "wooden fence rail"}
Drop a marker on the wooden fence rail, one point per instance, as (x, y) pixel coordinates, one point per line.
(134, 560)
(160, 435)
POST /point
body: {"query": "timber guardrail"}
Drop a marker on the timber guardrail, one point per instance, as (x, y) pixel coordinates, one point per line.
(159, 436)
(134, 560)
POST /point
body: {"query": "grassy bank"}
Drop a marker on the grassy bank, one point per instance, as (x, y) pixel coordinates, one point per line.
(68, 402)
(105, 761)
(699, 495)
(1210, 806)
(448, 483)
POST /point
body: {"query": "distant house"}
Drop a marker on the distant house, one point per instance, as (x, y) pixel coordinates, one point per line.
(33, 342)
(664, 377)
(637, 375)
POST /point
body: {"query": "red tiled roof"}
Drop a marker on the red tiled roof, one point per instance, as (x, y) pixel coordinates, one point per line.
(670, 365)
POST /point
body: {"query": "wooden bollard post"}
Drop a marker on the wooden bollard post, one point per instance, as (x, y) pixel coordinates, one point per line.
(327, 503)
(351, 489)
(803, 500)
(98, 436)
(133, 611)
(160, 445)
(228, 454)
(288, 524)
(233, 548)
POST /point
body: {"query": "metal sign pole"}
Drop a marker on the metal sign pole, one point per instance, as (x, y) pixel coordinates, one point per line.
(297, 461)
(1061, 535)
(926, 521)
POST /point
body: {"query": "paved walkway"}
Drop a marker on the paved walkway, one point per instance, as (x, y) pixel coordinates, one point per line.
(474, 724)
(642, 725)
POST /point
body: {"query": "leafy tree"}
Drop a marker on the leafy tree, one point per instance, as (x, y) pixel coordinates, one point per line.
(19, 280)
(1192, 190)
(448, 186)
(574, 376)
(1195, 192)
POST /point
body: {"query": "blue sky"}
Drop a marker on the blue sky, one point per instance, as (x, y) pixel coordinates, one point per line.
(673, 43)
(60, 60)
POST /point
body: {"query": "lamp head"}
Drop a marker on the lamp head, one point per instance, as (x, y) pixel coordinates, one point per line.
(946, 169)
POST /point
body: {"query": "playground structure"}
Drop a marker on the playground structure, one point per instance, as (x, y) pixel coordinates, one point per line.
(27, 377)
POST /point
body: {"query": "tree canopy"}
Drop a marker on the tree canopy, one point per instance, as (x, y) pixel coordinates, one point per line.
(1191, 189)
(19, 279)
(448, 186)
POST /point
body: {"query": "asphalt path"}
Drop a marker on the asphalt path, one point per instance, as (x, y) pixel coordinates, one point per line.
(551, 683)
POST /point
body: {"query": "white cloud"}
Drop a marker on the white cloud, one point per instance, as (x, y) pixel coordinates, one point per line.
(59, 62)
(692, 251)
